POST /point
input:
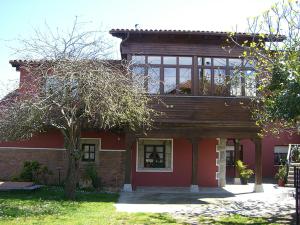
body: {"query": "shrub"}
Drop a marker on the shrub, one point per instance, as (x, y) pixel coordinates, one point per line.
(33, 171)
(244, 172)
(91, 173)
(281, 173)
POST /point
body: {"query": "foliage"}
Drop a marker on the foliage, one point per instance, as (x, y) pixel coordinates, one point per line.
(244, 172)
(273, 50)
(70, 87)
(90, 172)
(33, 171)
(48, 206)
(281, 173)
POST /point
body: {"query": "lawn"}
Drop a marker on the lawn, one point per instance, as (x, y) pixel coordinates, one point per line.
(47, 206)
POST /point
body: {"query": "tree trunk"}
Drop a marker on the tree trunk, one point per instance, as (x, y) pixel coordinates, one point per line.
(71, 179)
(72, 140)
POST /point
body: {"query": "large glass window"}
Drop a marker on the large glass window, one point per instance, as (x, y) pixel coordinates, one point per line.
(169, 80)
(219, 82)
(185, 60)
(138, 59)
(154, 59)
(250, 83)
(153, 80)
(138, 77)
(185, 82)
(169, 60)
(235, 83)
(220, 62)
(205, 81)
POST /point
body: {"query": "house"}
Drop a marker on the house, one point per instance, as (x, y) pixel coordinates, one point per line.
(206, 124)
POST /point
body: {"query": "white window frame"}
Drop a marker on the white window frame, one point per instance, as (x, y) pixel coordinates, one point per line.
(156, 170)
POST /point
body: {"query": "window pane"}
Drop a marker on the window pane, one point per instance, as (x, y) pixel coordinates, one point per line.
(250, 83)
(92, 155)
(207, 61)
(138, 59)
(235, 83)
(185, 83)
(219, 79)
(235, 62)
(171, 60)
(219, 76)
(154, 59)
(219, 62)
(249, 63)
(205, 81)
(138, 77)
(199, 61)
(86, 148)
(169, 80)
(153, 80)
(92, 148)
(185, 60)
(86, 155)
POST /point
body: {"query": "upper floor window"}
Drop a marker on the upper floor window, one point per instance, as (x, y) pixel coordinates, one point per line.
(177, 75)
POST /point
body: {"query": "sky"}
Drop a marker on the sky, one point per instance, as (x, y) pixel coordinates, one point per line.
(18, 18)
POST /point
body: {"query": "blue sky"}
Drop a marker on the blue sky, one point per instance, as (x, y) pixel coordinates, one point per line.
(19, 17)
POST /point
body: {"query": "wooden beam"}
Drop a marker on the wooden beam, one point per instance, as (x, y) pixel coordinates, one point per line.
(129, 141)
(237, 150)
(195, 153)
(258, 161)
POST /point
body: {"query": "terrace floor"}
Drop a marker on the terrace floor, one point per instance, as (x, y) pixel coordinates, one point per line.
(274, 202)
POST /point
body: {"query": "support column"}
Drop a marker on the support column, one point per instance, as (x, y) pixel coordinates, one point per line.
(237, 150)
(221, 149)
(195, 149)
(258, 187)
(129, 140)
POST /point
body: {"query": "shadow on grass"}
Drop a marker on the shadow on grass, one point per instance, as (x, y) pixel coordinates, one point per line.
(46, 201)
(145, 218)
(57, 194)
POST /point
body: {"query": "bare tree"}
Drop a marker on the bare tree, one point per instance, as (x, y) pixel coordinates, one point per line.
(274, 54)
(71, 87)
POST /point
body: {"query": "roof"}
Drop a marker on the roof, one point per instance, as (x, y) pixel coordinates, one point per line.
(122, 33)
(17, 63)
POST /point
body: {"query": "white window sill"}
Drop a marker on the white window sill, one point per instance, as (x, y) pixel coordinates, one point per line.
(155, 170)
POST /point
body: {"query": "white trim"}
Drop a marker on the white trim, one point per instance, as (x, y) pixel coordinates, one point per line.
(158, 170)
(112, 150)
(25, 148)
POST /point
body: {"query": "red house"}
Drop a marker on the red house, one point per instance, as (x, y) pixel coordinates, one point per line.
(206, 126)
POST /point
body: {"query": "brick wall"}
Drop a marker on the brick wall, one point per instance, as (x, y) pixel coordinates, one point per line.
(109, 164)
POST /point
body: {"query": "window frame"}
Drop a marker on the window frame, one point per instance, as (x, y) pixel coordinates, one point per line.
(275, 153)
(89, 152)
(156, 170)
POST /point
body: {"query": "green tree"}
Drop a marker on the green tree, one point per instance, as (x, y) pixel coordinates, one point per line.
(274, 54)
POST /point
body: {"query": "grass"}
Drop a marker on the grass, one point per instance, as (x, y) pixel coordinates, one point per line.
(48, 206)
(235, 220)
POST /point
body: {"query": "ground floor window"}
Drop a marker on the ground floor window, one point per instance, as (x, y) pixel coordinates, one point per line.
(88, 152)
(154, 155)
(280, 154)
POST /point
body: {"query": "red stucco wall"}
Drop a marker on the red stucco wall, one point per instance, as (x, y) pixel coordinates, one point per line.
(207, 163)
(182, 168)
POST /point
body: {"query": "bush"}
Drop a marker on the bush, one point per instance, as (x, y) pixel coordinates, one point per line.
(33, 171)
(281, 173)
(91, 173)
(244, 172)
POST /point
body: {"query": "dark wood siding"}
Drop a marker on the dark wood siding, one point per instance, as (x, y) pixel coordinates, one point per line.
(211, 50)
